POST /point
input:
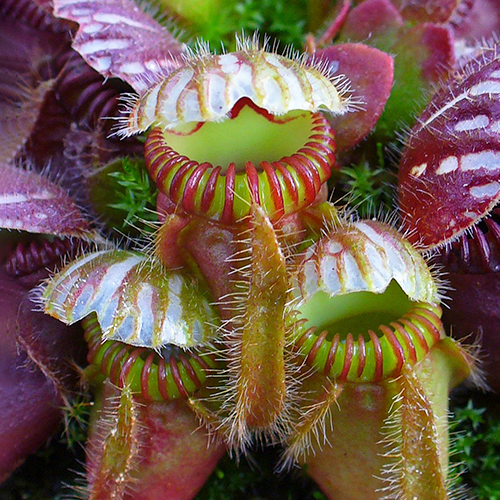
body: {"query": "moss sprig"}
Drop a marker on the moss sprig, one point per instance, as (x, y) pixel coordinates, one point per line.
(476, 449)
(135, 195)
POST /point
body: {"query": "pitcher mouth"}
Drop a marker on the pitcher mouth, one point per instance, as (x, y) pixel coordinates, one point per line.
(240, 128)
(154, 375)
(279, 163)
(367, 346)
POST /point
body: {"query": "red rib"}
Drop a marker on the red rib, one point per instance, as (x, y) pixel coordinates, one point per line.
(306, 177)
(361, 355)
(253, 181)
(108, 355)
(127, 365)
(145, 374)
(428, 324)
(114, 372)
(315, 347)
(176, 375)
(330, 359)
(306, 335)
(276, 193)
(288, 178)
(209, 191)
(379, 358)
(162, 380)
(349, 351)
(396, 348)
(178, 179)
(407, 340)
(190, 370)
(227, 213)
(416, 332)
(189, 194)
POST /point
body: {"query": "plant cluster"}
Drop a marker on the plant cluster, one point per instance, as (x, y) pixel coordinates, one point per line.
(213, 235)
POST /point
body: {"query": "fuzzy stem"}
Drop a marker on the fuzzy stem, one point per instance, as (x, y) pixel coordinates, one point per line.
(261, 372)
(113, 449)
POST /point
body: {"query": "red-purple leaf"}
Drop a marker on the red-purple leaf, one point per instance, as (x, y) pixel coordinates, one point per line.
(24, 53)
(422, 11)
(374, 22)
(35, 360)
(33, 13)
(31, 202)
(474, 314)
(119, 40)
(338, 19)
(450, 169)
(17, 121)
(423, 55)
(370, 72)
(477, 19)
(438, 43)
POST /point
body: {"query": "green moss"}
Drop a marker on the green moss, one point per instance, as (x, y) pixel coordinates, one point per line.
(476, 448)
(124, 196)
(254, 478)
(369, 184)
(281, 19)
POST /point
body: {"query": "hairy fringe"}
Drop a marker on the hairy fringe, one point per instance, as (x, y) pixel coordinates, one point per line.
(318, 419)
(107, 426)
(393, 473)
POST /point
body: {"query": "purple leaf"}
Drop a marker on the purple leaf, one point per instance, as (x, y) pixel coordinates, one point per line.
(423, 11)
(474, 314)
(31, 202)
(119, 40)
(450, 169)
(35, 359)
(33, 13)
(374, 22)
(423, 55)
(17, 121)
(476, 20)
(24, 53)
(370, 72)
